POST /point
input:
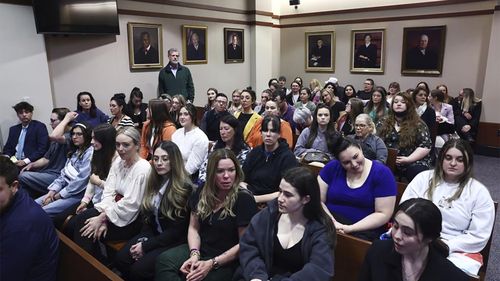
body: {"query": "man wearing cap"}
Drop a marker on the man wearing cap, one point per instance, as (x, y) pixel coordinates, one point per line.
(27, 141)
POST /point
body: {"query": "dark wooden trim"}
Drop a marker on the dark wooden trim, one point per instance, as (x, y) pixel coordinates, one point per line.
(195, 6)
(207, 7)
(399, 18)
(74, 261)
(17, 2)
(176, 16)
(379, 8)
(487, 150)
(260, 13)
(497, 8)
(488, 134)
(261, 23)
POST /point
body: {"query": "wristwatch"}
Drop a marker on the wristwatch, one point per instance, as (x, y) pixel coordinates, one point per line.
(215, 264)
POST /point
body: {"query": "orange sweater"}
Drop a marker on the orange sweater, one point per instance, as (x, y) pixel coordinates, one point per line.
(166, 135)
(254, 138)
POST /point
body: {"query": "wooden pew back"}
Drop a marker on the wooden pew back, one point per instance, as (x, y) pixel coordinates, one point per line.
(76, 264)
(486, 251)
(349, 256)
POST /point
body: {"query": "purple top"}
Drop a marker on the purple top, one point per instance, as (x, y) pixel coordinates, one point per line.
(288, 116)
(100, 118)
(356, 204)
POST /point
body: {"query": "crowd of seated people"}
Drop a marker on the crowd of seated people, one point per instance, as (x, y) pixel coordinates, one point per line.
(184, 198)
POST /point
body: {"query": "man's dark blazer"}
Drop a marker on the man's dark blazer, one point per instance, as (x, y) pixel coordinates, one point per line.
(36, 141)
(142, 56)
(234, 53)
(196, 54)
(416, 60)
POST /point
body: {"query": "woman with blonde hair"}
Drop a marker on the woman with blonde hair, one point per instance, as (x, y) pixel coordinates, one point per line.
(160, 127)
(220, 213)
(115, 217)
(315, 87)
(165, 214)
(467, 114)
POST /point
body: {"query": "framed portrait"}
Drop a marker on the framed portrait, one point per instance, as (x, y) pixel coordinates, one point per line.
(367, 51)
(234, 45)
(145, 45)
(423, 50)
(320, 51)
(194, 44)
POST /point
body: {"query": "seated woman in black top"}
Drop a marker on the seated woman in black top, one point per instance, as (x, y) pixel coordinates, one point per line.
(467, 110)
(421, 98)
(220, 213)
(164, 211)
(415, 251)
(293, 237)
(266, 163)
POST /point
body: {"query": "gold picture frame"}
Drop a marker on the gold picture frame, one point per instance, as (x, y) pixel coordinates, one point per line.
(320, 51)
(194, 44)
(368, 51)
(145, 45)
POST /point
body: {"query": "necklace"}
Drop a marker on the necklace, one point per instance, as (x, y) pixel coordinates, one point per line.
(413, 275)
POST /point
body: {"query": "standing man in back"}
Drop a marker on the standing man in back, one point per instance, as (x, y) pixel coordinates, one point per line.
(175, 79)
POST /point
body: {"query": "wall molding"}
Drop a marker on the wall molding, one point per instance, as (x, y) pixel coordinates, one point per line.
(303, 15)
(319, 23)
(379, 8)
(177, 16)
(195, 6)
(398, 18)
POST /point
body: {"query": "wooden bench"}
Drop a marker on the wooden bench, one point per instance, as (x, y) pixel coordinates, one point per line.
(486, 251)
(76, 264)
(400, 187)
(391, 159)
(349, 256)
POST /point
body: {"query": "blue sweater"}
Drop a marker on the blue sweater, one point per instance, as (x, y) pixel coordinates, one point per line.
(28, 241)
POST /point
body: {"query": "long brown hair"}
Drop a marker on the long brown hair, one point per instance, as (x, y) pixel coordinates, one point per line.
(411, 121)
(159, 111)
(438, 176)
(175, 200)
(208, 195)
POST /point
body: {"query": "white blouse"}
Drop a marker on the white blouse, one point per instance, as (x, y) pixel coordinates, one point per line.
(193, 146)
(129, 182)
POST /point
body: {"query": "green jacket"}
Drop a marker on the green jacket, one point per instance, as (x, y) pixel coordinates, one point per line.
(181, 84)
